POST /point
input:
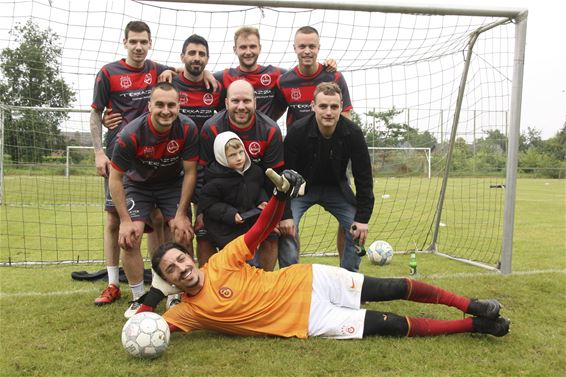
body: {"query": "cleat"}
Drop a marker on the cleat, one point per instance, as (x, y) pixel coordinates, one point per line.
(110, 294)
(132, 309)
(495, 327)
(173, 300)
(484, 308)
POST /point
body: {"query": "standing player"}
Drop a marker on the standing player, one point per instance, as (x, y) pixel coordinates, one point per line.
(153, 165)
(262, 140)
(197, 102)
(123, 88)
(295, 90)
(297, 86)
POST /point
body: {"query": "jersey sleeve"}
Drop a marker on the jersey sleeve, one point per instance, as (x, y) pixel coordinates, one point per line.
(160, 68)
(191, 148)
(346, 101)
(274, 154)
(101, 91)
(124, 152)
(206, 147)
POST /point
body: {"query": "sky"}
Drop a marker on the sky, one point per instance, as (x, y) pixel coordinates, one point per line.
(544, 86)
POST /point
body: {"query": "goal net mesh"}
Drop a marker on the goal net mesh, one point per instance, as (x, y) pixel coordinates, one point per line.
(403, 71)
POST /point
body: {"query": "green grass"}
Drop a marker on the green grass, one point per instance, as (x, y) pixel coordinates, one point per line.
(49, 326)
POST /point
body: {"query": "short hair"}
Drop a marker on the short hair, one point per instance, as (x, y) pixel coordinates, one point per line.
(233, 143)
(138, 27)
(160, 252)
(307, 30)
(246, 30)
(327, 88)
(196, 39)
(164, 85)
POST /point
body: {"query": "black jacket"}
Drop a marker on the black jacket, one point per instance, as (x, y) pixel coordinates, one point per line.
(302, 151)
(226, 193)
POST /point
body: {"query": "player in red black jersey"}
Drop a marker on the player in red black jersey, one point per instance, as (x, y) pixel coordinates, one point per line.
(197, 102)
(297, 86)
(261, 137)
(153, 165)
(122, 86)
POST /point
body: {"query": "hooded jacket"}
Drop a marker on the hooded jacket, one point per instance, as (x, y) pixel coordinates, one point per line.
(227, 192)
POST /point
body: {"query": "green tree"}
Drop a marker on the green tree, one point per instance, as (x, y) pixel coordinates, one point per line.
(31, 76)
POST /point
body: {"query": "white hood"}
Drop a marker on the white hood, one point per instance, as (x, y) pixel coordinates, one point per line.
(220, 149)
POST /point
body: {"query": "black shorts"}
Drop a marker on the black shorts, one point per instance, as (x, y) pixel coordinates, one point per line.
(142, 200)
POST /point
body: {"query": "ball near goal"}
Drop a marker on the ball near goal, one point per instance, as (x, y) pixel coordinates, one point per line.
(380, 253)
(145, 335)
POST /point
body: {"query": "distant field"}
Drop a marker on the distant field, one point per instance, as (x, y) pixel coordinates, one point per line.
(54, 218)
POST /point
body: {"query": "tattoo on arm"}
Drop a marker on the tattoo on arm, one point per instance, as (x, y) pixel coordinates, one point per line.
(96, 129)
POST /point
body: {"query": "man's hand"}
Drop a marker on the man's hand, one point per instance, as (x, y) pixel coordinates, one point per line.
(102, 163)
(210, 81)
(359, 232)
(199, 222)
(287, 228)
(289, 184)
(111, 120)
(167, 76)
(128, 235)
(181, 229)
(330, 65)
(158, 283)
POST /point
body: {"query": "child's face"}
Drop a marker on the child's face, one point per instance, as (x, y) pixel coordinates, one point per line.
(236, 157)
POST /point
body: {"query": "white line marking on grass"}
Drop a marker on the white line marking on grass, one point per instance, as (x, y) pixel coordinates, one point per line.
(52, 293)
(480, 274)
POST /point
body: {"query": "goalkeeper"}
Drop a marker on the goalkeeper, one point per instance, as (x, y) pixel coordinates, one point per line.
(303, 300)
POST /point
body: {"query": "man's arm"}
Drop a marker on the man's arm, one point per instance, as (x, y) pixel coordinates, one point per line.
(102, 162)
(181, 225)
(128, 233)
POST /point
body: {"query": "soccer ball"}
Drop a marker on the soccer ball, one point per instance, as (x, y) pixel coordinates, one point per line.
(380, 253)
(145, 335)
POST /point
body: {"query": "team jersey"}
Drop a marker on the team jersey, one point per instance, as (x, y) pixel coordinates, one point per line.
(263, 79)
(126, 90)
(243, 300)
(262, 139)
(153, 158)
(297, 91)
(197, 102)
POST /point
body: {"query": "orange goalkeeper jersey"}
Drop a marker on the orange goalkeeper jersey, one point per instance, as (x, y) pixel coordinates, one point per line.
(242, 300)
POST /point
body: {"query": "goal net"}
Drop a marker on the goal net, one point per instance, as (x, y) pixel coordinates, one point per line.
(438, 86)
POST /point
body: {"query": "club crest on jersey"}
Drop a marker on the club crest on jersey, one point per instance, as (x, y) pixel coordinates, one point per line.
(125, 82)
(207, 99)
(225, 292)
(183, 99)
(148, 79)
(148, 151)
(254, 148)
(265, 79)
(295, 94)
(172, 146)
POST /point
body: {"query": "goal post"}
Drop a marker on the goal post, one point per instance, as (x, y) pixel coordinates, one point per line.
(447, 82)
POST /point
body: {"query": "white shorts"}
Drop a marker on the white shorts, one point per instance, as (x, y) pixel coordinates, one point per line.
(335, 306)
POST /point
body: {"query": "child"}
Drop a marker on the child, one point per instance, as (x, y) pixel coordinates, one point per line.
(233, 194)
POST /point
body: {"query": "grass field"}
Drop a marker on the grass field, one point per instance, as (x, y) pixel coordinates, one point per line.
(49, 326)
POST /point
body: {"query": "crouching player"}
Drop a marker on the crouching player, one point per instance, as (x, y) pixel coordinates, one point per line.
(303, 300)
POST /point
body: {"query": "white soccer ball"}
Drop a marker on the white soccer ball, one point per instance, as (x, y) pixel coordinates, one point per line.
(380, 253)
(145, 335)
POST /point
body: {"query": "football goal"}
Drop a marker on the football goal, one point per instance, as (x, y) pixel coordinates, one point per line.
(436, 90)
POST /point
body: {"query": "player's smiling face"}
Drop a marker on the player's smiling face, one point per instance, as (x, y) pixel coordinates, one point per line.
(180, 269)
(138, 45)
(306, 47)
(164, 108)
(195, 59)
(240, 103)
(247, 49)
(327, 109)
